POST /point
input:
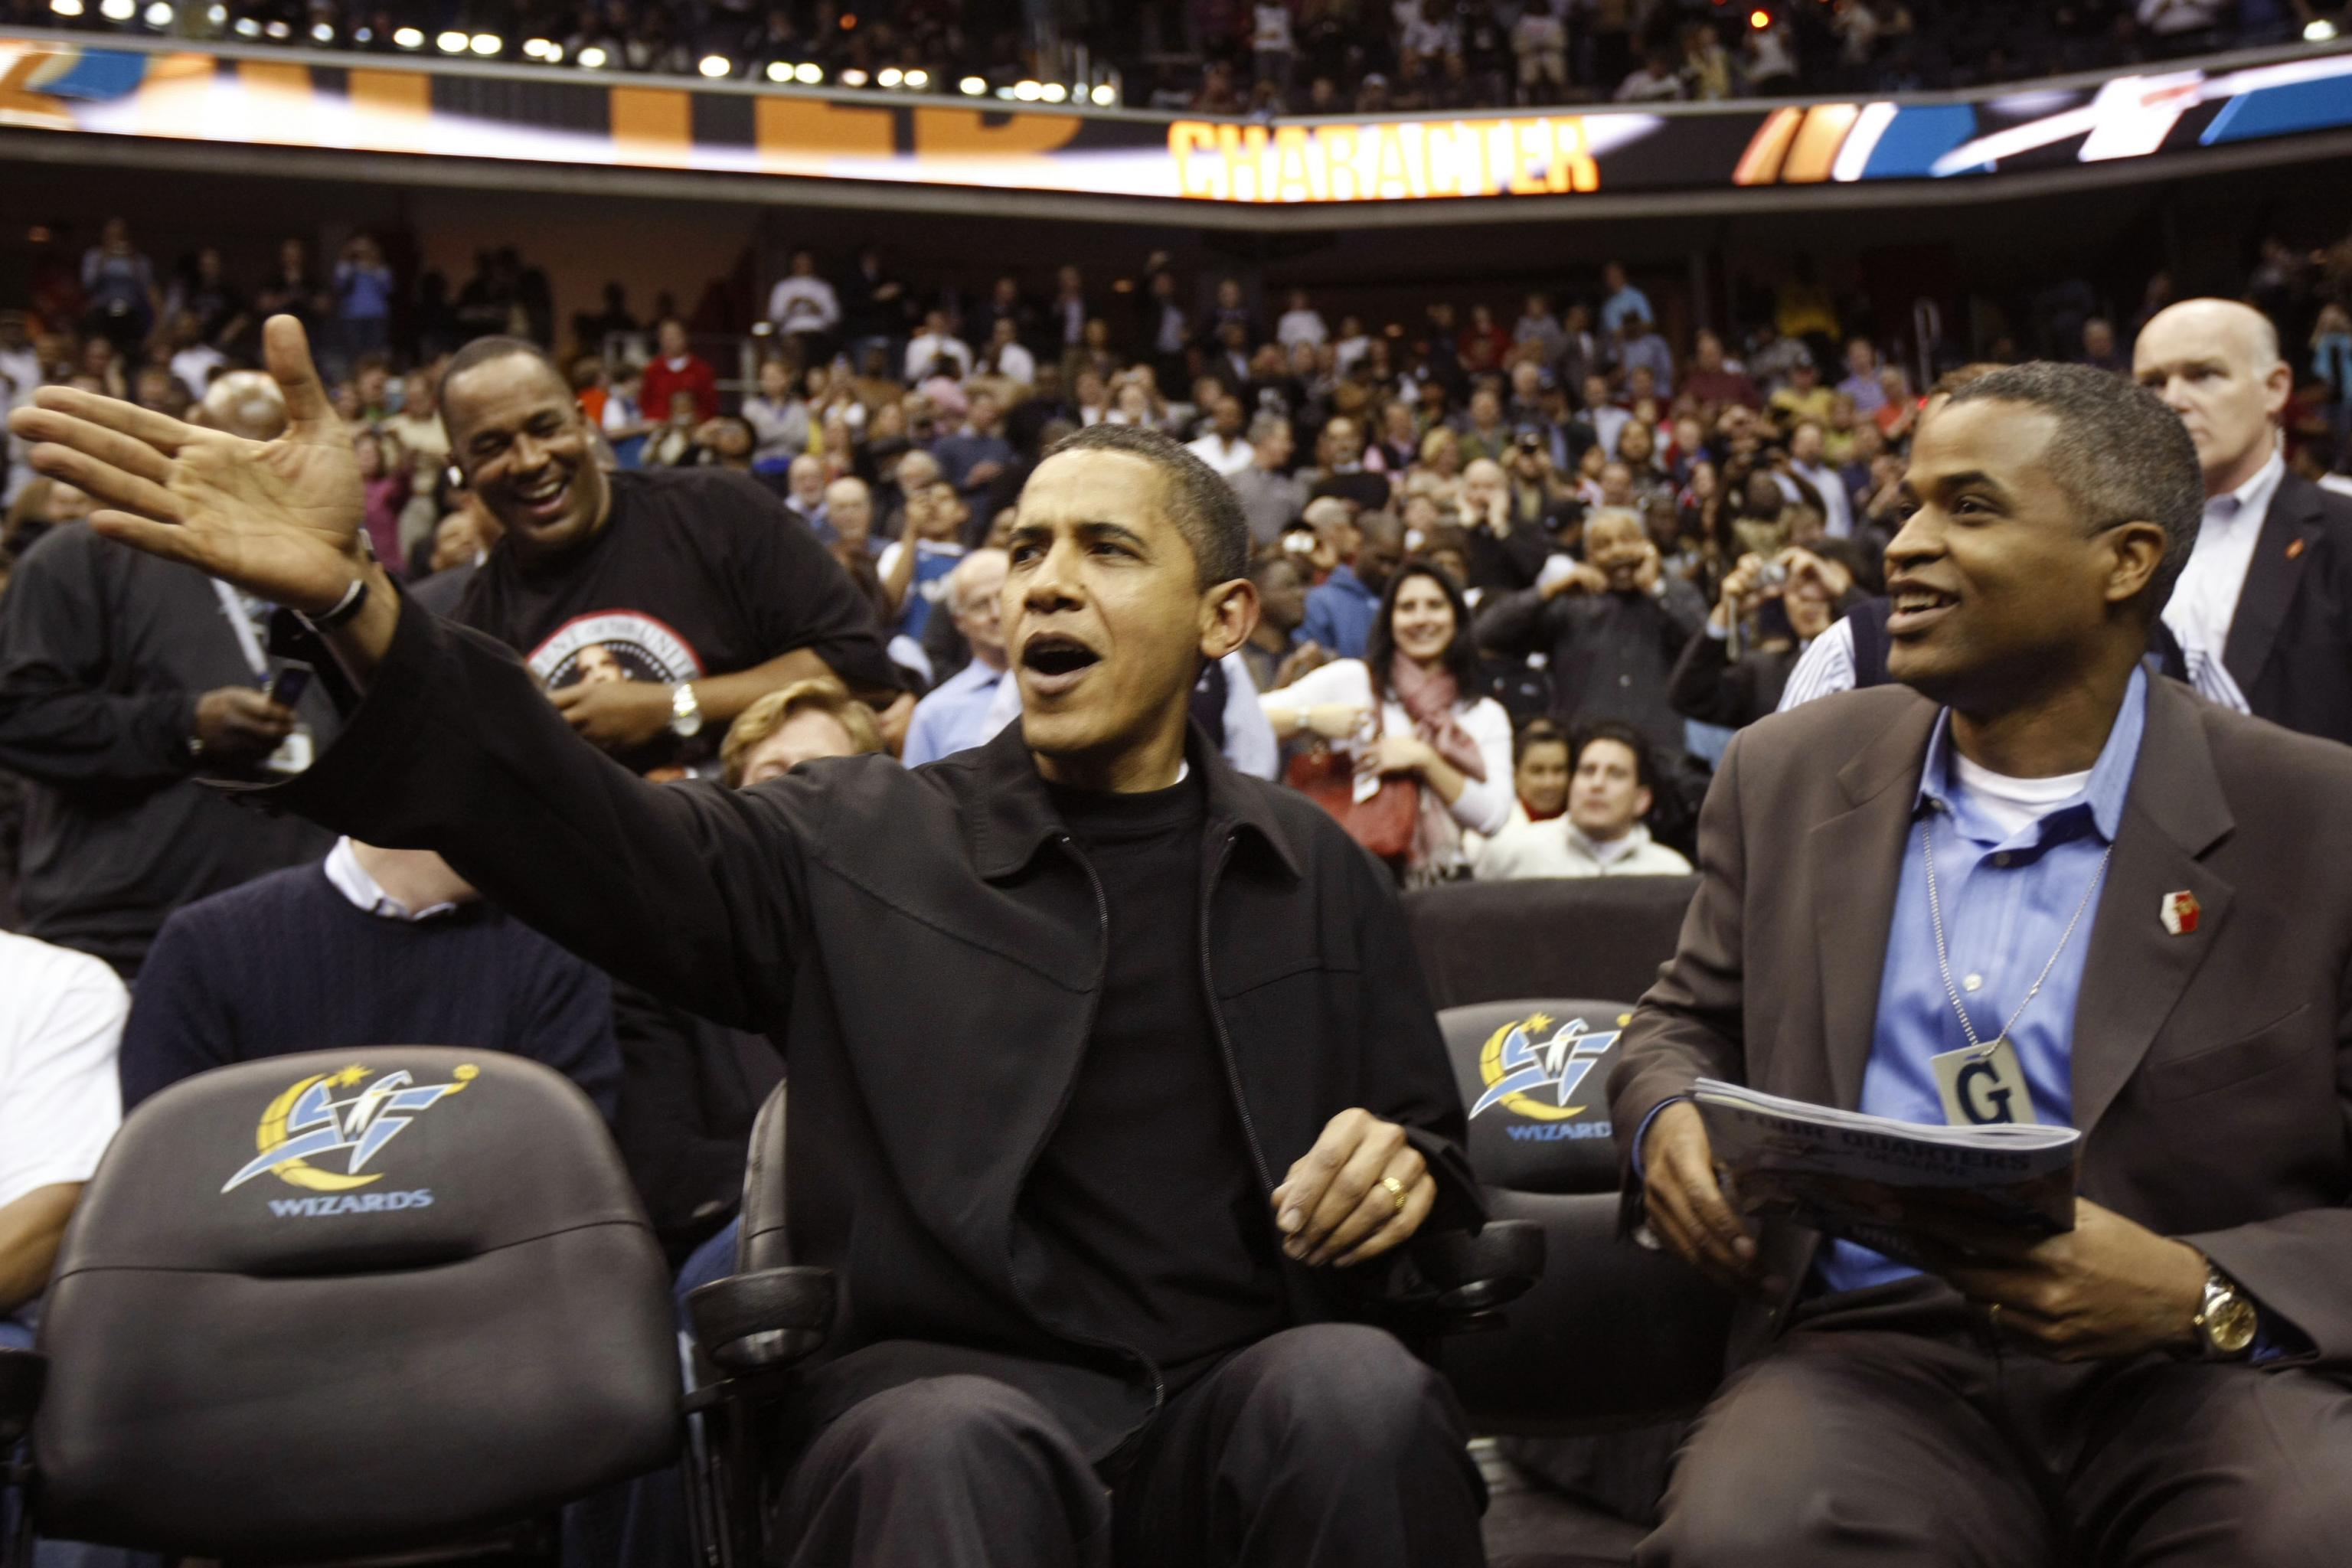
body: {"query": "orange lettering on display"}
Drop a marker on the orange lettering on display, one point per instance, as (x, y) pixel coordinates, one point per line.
(1382, 160)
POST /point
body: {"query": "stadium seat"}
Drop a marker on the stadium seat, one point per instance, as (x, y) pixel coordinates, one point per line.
(752, 1328)
(1589, 1383)
(438, 1314)
(1564, 936)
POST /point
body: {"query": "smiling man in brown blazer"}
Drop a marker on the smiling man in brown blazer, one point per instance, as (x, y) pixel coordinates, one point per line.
(2144, 898)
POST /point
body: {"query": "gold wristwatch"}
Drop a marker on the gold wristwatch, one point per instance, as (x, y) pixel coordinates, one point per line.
(2225, 1321)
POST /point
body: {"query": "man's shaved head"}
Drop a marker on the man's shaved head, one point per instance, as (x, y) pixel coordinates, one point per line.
(2216, 363)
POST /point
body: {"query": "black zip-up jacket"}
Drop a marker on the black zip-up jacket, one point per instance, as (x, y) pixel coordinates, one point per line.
(927, 948)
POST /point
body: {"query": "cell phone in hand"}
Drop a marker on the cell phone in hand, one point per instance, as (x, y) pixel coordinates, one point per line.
(287, 687)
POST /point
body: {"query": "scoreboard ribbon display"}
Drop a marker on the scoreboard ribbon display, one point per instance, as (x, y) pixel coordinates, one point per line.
(404, 105)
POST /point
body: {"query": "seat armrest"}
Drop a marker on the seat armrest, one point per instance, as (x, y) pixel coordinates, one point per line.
(1455, 1281)
(23, 1375)
(765, 1320)
(1474, 1272)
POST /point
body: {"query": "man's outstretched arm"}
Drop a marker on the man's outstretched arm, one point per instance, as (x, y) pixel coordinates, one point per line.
(687, 890)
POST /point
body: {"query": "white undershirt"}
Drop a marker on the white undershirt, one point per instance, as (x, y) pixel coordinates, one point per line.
(2014, 803)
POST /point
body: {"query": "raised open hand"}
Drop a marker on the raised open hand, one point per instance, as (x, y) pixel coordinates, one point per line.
(278, 518)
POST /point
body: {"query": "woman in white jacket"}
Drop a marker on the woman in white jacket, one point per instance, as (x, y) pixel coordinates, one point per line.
(1410, 707)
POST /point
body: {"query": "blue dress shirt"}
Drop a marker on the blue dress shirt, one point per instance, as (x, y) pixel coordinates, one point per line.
(2007, 902)
(953, 716)
(1339, 613)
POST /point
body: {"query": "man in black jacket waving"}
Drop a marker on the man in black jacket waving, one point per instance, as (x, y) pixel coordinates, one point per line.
(1109, 1065)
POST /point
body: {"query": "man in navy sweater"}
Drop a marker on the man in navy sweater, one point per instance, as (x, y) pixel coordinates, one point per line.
(372, 947)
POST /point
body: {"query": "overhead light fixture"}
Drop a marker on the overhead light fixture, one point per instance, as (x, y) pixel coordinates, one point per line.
(1027, 91)
(887, 77)
(117, 10)
(715, 66)
(322, 32)
(279, 31)
(246, 28)
(593, 56)
(216, 14)
(487, 43)
(1760, 20)
(808, 74)
(918, 80)
(2319, 30)
(534, 48)
(1105, 95)
(160, 15)
(1006, 94)
(973, 87)
(451, 42)
(364, 34)
(779, 70)
(1054, 93)
(853, 77)
(408, 39)
(66, 7)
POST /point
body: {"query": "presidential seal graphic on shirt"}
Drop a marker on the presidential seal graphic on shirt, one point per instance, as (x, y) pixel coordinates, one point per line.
(341, 1113)
(614, 646)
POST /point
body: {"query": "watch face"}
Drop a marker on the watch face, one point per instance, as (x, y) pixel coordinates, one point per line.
(2229, 1327)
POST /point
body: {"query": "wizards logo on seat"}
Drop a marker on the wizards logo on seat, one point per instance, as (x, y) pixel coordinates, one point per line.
(308, 1121)
(1538, 1078)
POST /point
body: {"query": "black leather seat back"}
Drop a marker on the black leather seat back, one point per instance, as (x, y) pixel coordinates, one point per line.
(352, 1301)
(1533, 1076)
(1568, 936)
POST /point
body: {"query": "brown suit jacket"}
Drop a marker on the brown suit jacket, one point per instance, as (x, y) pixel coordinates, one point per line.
(2212, 1071)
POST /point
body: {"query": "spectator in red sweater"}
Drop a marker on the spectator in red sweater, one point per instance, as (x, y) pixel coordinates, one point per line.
(679, 369)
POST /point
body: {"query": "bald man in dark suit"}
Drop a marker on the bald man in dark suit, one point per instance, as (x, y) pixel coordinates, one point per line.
(2143, 895)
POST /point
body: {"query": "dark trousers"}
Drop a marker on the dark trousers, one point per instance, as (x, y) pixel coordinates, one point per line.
(1896, 1430)
(1317, 1447)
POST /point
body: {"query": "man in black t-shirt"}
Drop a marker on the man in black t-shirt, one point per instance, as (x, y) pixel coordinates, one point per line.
(654, 607)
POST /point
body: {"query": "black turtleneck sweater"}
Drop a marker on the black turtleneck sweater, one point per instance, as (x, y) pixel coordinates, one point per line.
(1145, 1190)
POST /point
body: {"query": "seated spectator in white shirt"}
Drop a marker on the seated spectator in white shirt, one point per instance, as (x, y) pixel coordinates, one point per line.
(1300, 323)
(803, 305)
(1226, 446)
(1610, 792)
(1003, 353)
(959, 713)
(60, 1022)
(370, 947)
(932, 344)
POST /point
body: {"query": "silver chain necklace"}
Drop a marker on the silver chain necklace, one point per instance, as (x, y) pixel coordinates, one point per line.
(1942, 958)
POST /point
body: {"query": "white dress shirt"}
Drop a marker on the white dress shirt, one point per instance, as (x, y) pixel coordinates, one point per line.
(2205, 601)
(351, 879)
(1228, 457)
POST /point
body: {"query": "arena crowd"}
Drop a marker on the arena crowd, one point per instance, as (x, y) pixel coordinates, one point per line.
(1273, 57)
(1524, 568)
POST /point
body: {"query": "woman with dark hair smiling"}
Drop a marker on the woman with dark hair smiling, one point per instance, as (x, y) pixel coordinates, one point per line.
(1409, 709)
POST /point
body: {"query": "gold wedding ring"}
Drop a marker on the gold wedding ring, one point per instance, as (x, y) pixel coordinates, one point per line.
(1396, 1190)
